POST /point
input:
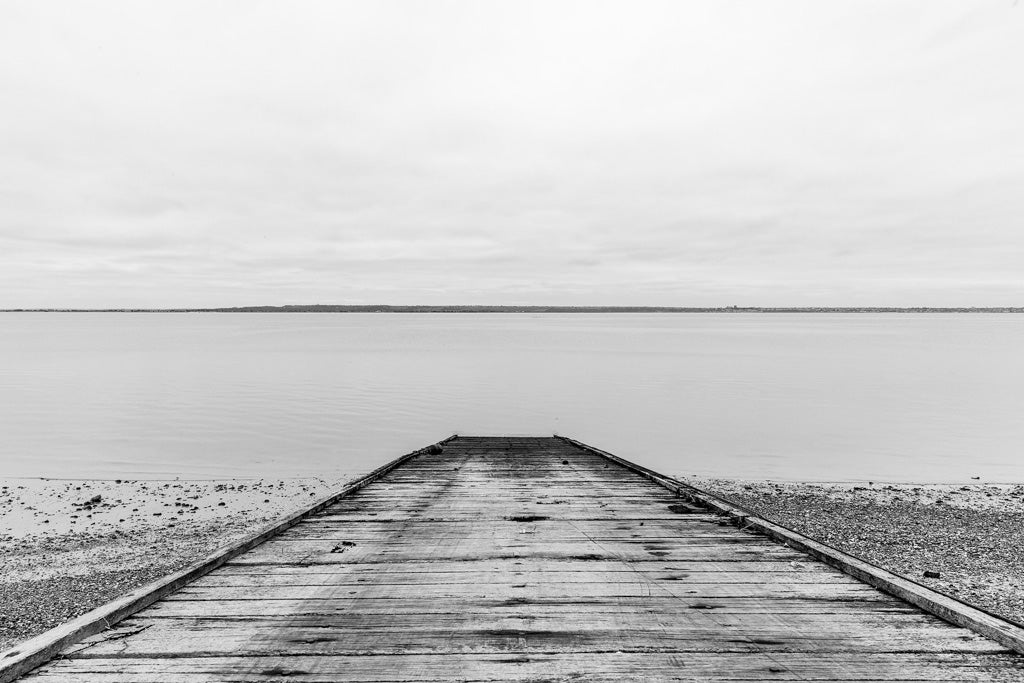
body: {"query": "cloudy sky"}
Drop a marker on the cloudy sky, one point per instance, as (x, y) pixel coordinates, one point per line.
(665, 153)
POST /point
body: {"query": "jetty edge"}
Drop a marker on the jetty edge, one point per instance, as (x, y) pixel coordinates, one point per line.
(32, 653)
(1004, 632)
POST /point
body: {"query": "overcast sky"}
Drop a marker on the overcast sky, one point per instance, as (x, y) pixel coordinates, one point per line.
(663, 153)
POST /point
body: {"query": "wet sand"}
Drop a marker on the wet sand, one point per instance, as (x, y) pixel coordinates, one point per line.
(69, 546)
(971, 536)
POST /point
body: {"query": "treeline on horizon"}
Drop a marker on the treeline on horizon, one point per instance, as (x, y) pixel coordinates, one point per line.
(344, 308)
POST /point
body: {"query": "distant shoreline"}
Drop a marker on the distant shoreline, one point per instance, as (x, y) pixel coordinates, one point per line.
(330, 308)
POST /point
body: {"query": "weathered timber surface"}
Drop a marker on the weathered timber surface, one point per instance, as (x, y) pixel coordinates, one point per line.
(522, 559)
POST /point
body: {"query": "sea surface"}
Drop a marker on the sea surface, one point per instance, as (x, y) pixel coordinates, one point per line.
(813, 397)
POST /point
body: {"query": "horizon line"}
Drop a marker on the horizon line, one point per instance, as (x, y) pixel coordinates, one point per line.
(513, 308)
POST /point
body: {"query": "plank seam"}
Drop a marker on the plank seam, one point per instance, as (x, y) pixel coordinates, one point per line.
(34, 652)
(949, 609)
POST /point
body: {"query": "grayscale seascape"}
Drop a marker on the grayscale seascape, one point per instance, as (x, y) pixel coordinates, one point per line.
(511, 340)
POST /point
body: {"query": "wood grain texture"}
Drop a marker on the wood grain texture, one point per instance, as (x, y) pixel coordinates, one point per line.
(526, 559)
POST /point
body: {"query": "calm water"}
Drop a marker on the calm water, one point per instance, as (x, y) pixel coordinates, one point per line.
(925, 397)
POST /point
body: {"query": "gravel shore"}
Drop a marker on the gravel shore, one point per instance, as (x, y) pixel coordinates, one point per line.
(69, 546)
(971, 536)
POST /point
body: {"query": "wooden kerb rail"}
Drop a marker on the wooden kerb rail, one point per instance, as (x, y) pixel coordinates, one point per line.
(31, 653)
(1003, 632)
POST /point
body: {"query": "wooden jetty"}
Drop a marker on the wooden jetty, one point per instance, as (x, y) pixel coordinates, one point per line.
(524, 559)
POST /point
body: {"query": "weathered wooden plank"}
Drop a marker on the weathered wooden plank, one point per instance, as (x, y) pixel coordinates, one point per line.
(395, 515)
(513, 666)
(517, 588)
(166, 639)
(534, 534)
(528, 537)
(576, 608)
(853, 623)
(614, 677)
(680, 580)
(544, 531)
(321, 554)
(538, 565)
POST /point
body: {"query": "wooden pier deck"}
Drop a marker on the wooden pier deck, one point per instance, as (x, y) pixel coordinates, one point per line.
(525, 559)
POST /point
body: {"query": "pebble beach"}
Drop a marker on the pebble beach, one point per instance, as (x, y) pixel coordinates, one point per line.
(69, 546)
